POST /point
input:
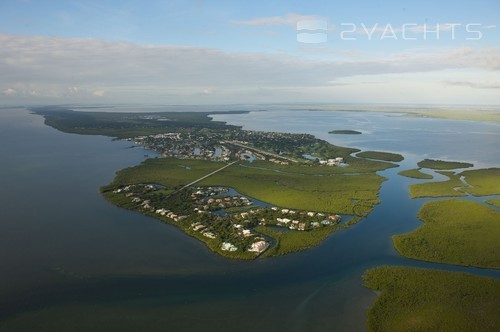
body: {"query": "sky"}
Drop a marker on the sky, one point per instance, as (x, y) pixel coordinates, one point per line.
(243, 52)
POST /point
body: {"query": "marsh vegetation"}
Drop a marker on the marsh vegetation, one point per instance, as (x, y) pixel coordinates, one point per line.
(414, 299)
(454, 232)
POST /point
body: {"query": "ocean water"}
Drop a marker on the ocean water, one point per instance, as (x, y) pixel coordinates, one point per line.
(72, 261)
(415, 138)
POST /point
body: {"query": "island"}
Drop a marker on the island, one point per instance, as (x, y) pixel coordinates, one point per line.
(442, 165)
(245, 194)
(345, 132)
(455, 231)
(415, 173)
(394, 157)
(414, 299)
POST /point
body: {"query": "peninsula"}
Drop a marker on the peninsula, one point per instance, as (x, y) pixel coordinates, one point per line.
(243, 193)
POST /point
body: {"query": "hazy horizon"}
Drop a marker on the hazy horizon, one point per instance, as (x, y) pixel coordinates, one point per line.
(199, 53)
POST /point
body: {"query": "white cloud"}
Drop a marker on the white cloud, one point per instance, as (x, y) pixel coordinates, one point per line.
(475, 85)
(289, 19)
(85, 69)
(9, 92)
(99, 93)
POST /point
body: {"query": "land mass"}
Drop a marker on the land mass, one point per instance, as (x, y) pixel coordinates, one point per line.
(127, 125)
(455, 232)
(387, 156)
(304, 207)
(494, 202)
(249, 194)
(479, 113)
(345, 132)
(414, 299)
(453, 187)
(415, 174)
(478, 182)
(243, 193)
(442, 165)
(482, 182)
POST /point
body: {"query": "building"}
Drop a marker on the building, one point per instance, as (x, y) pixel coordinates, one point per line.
(226, 246)
(258, 246)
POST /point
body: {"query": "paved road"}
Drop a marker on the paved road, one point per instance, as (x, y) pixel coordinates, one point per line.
(204, 177)
(262, 151)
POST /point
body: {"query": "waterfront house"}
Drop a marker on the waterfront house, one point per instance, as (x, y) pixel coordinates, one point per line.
(227, 246)
(258, 246)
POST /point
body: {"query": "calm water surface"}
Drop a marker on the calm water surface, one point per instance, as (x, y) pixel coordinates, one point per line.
(417, 138)
(72, 261)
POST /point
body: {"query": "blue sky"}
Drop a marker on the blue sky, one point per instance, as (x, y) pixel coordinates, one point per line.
(241, 52)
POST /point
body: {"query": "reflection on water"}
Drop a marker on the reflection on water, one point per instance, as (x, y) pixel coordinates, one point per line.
(70, 259)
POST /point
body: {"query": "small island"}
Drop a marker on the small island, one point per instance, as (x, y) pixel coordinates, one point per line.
(345, 132)
(379, 155)
(442, 165)
(415, 173)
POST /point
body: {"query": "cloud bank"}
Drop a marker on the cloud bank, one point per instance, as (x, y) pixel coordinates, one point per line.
(37, 68)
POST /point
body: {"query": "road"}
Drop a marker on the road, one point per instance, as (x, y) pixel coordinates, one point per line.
(262, 151)
(204, 177)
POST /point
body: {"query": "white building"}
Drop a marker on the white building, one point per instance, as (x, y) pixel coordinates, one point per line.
(258, 246)
(226, 246)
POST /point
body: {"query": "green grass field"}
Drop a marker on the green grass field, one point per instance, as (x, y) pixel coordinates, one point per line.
(442, 165)
(386, 156)
(415, 174)
(484, 181)
(440, 188)
(454, 232)
(414, 299)
(338, 193)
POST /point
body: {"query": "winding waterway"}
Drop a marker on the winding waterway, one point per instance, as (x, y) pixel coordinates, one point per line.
(72, 261)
